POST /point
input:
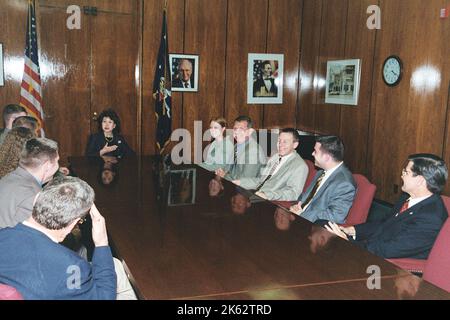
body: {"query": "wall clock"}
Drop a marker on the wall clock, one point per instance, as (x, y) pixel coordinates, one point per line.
(392, 70)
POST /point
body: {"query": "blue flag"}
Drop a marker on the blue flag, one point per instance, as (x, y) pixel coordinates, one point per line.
(162, 92)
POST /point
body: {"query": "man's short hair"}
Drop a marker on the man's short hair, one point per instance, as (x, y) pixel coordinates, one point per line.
(37, 151)
(432, 168)
(292, 131)
(26, 122)
(333, 146)
(11, 109)
(62, 201)
(245, 118)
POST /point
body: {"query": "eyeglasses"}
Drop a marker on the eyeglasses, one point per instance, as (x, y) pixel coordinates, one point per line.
(82, 220)
(407, 173)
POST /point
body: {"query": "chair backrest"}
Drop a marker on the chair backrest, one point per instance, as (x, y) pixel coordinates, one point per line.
(446, 203)
(365, 191)
(437, 270)
(9, 293)
(311, 173)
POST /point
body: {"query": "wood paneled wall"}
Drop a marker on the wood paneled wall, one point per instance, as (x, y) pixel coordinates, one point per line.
(379, 133)
(411, 117)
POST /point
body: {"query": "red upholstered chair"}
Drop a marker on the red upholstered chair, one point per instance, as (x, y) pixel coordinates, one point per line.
(420, 265)
(365, 191)
(437, 268)
(311, 173)
(9, 293)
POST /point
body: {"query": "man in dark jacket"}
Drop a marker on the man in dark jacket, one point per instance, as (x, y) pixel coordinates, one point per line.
(415, 220)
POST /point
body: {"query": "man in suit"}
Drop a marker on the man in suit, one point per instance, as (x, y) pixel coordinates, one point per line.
(184, 79)
(10, 113)
(331, 193)
(37, 165)
(285, 173)
(415, 220)
(249, 157)
(265, 86)
(39, 267)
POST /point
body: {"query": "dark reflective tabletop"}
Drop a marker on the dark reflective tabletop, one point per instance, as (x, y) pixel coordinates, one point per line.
(185, 234)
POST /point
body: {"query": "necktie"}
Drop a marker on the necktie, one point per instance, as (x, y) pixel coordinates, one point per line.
(186, 84)
(235, 153)
(313, 190)
(404, 206)
(272, 170)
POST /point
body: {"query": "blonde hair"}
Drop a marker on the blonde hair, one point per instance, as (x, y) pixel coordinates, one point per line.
(11, 148)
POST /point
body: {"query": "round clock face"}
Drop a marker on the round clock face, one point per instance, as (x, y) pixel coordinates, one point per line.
(392, 70)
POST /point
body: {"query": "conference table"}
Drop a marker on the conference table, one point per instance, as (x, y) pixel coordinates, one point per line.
(184, 233)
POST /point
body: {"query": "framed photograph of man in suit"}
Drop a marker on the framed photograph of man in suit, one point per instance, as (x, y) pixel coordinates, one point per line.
(265, 78)
(2, 81)
(184, 71)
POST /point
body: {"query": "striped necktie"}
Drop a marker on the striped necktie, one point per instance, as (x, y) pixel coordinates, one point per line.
(313, 190)
(272, 171)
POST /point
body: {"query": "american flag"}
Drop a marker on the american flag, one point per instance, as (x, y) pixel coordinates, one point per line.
(30, 91)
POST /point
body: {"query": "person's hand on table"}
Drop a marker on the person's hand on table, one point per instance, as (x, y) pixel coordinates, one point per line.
(343, 232)
(220, 172)
(297, 208)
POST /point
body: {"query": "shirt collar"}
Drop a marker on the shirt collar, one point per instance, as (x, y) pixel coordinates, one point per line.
(330, 172)
(413, 202)
(29, 225)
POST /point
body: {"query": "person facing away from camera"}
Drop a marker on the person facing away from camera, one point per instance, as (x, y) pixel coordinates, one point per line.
(34, 262)
(10, 113)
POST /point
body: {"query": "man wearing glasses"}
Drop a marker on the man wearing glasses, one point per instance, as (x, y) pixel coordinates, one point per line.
(415, 220)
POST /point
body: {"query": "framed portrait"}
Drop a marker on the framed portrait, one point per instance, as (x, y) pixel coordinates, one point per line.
(184, 72)
(182, 187)
(2, 79)
(265, 78)
(342, 81)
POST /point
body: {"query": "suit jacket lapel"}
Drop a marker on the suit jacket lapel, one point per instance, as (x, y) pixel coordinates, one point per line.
(326, 183)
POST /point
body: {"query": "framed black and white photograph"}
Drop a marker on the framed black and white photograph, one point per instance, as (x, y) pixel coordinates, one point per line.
(184, 71)
(182, 187)
(342, 81)
(2, 79)
(265, 78)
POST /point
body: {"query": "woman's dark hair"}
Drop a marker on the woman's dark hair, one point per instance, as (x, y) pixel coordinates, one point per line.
(110, 113)
(432, 168)
(115, 177)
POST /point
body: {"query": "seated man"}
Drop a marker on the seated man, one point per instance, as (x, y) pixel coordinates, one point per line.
(285, 173)
(10, 113)
(37, 165)
(26, 122)
(35, 264)
(249, 157)
(331, 193)
(415, 220)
